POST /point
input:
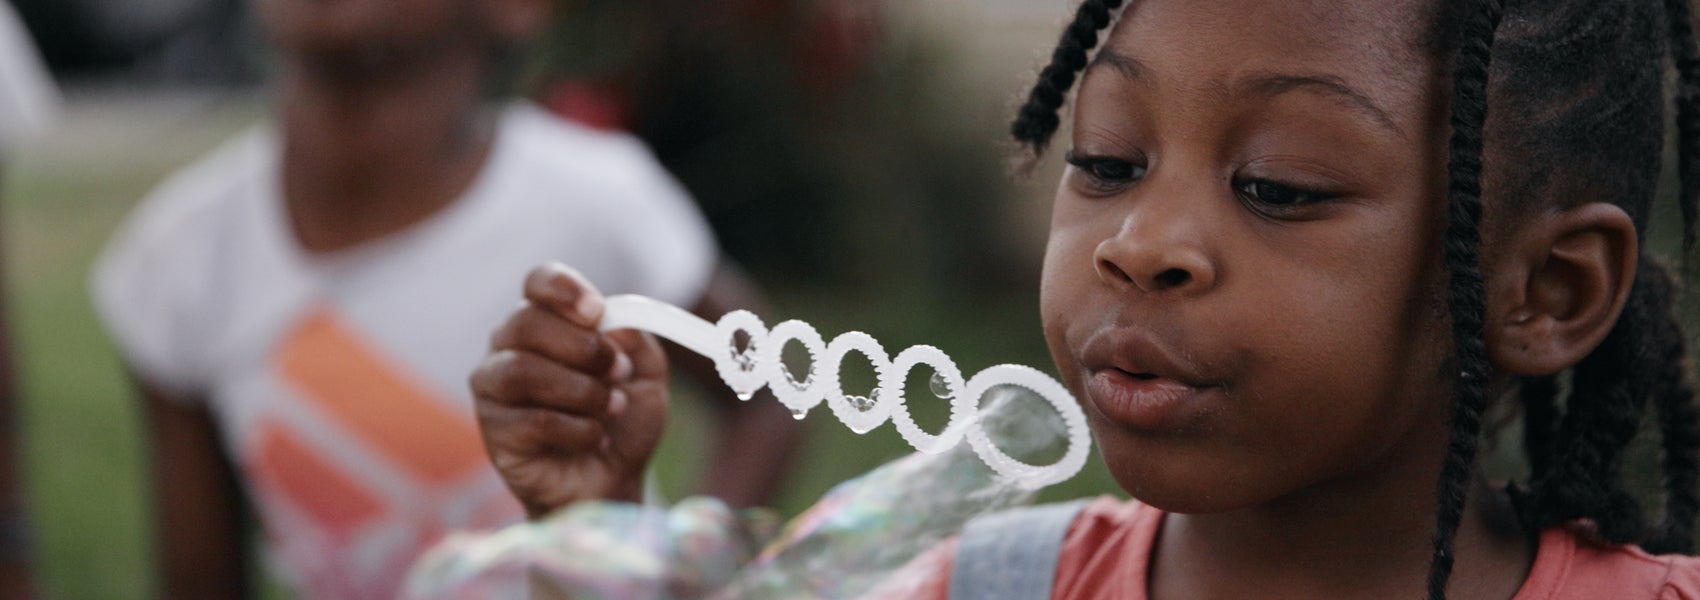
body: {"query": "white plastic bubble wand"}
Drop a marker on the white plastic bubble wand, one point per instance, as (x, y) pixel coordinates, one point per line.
(759, 365)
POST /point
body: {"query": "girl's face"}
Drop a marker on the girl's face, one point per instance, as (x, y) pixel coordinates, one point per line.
(1243, 280)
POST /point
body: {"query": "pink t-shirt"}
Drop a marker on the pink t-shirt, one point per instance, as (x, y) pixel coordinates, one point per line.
(1109, 545)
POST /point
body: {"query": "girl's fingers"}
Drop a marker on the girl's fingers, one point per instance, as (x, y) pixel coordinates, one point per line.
(565, 292)
(648, 361)
(528, 431)
(539, 331)
(520, 378)
(637, 426)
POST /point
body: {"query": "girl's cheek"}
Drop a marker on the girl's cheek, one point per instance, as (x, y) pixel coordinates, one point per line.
(1064, 290)
(1053, 310)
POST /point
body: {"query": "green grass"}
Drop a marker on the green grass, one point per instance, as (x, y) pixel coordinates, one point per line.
(80, 432)
(81, 435)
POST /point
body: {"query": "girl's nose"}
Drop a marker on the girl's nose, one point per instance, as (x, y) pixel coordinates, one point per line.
(1154, 254)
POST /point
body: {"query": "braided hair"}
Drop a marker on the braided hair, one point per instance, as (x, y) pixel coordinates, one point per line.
(1586, 77)
(1038, 118)
(1680, 21)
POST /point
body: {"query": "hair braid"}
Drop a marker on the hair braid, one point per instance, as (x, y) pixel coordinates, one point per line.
(1607, 401)
(1465, 296)
(1679, 20)
(1038, 120)
(1642, 358)
(1539, 398)
(1679, 422)
(1578, 475)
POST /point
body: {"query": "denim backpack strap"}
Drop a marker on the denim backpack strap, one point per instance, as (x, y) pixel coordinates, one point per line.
(1012, 554)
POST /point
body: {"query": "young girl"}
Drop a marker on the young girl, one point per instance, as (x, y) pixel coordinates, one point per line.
(1301, 247)
(300, 307)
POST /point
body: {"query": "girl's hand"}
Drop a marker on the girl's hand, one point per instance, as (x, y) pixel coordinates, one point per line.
(569, 413)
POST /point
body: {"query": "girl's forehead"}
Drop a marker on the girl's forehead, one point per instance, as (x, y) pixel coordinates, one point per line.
(1371, 47)
(1390, 21)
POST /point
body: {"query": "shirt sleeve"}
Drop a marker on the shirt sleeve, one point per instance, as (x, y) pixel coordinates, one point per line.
(1684, 580)
(664, 238)
(618, 215)
(144, 291)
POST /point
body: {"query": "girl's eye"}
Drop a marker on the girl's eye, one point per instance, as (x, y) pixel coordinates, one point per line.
(1275, 195)
(1106, 172)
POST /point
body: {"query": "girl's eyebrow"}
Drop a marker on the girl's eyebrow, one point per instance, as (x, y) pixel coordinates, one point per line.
(1265, 86)
(1270, 85)
(1128, 66)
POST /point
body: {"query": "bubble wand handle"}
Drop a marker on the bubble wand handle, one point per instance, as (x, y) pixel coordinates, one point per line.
(631, 311)
(758, 364)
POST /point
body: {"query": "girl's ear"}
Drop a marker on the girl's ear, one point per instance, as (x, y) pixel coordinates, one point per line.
(1559, 282)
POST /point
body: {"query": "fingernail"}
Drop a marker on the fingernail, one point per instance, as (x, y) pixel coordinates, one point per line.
(588, 307)
(617, 403)
(622, 368)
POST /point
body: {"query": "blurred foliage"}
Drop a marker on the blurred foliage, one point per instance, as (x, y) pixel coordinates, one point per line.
(824, 148)
(203, 41)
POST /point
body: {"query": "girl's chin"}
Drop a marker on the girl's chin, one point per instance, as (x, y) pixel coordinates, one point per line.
(1164, 480)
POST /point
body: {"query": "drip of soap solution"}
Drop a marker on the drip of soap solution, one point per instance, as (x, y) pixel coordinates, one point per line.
(863, 404)
(941, 386)
(798, 384)
(745, 359)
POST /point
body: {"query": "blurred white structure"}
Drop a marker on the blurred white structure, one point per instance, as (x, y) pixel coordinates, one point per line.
(29, 102)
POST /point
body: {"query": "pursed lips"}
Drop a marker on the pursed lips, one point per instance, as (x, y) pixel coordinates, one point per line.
(1137, 381)
(1140, 355)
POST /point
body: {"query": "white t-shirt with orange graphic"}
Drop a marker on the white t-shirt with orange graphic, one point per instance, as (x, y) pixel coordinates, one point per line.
(339, 381)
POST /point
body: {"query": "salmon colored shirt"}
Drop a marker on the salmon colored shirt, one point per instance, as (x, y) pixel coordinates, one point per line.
(1109, 545)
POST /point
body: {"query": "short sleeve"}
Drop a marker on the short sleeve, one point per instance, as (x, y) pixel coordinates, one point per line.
(602, 203)
(1684, 579)
(151, 285)
(140, 293)
(648, 232)
(1570, 565)
(29, 102)
(666, 240)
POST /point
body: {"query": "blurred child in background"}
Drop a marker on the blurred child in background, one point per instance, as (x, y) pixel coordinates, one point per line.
(300, 308)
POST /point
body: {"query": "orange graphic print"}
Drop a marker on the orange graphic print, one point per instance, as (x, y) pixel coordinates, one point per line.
(293, 469)
(359, 466)
(372, 400)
